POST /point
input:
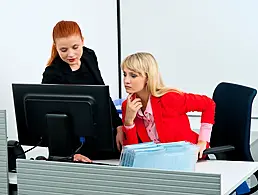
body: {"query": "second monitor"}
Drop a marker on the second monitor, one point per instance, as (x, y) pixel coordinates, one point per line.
(58, 116)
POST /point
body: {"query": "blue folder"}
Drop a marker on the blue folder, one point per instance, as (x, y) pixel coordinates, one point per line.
(169, 156)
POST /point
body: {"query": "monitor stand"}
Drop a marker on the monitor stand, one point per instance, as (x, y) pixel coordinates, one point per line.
(60, 136)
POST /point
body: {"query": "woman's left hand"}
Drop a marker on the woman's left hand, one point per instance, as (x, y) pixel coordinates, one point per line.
(81, 158)
(119, 137)
(202, 146)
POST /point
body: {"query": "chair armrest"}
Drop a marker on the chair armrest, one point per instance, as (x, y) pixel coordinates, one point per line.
(219, 149)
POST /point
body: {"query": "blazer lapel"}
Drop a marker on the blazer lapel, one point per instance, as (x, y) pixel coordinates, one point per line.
(157, 114)
(92, 64)
(141, 130)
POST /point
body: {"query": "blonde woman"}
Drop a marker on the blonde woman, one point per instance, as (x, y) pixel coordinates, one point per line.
(154, 112)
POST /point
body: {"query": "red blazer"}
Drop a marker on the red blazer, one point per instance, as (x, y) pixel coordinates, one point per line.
(170, 117)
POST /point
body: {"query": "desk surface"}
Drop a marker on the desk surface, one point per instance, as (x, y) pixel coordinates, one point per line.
(233, 173)
(253, 137)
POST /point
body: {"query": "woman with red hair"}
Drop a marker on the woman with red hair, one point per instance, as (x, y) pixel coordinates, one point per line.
(73, 63)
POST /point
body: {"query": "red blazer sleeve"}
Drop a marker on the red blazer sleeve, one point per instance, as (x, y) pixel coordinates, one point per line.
(186, 102)
(130, 134)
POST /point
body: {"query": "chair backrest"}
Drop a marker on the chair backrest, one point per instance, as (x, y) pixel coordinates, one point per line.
(233, 119)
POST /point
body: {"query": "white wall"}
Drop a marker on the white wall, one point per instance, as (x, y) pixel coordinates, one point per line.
(26, 29)
(197, 43)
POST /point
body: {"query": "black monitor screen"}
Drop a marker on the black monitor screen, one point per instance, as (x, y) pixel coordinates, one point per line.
(57, 116)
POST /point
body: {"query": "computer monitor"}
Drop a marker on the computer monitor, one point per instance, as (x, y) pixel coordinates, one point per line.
(58, 116)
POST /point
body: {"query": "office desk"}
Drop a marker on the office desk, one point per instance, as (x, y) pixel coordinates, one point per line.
(231, 173)
(56, 178)
(253, 137)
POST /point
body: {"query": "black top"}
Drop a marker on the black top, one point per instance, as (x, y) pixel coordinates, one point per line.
(59, 72)
(78, 76)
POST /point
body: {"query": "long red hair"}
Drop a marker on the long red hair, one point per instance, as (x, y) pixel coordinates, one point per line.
(63, 29)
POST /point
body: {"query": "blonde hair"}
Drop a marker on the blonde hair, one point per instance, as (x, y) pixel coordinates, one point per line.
(146, 65)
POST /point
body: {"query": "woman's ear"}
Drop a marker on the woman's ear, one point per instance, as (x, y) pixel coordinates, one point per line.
(146, 79)
(83, 40)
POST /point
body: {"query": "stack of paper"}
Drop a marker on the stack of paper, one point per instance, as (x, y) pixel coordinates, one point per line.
(170, 156)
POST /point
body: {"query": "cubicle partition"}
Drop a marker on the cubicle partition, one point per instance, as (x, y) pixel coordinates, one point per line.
(3, 154)
(54, 178)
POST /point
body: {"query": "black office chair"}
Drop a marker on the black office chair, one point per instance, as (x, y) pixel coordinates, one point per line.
(232, 122)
